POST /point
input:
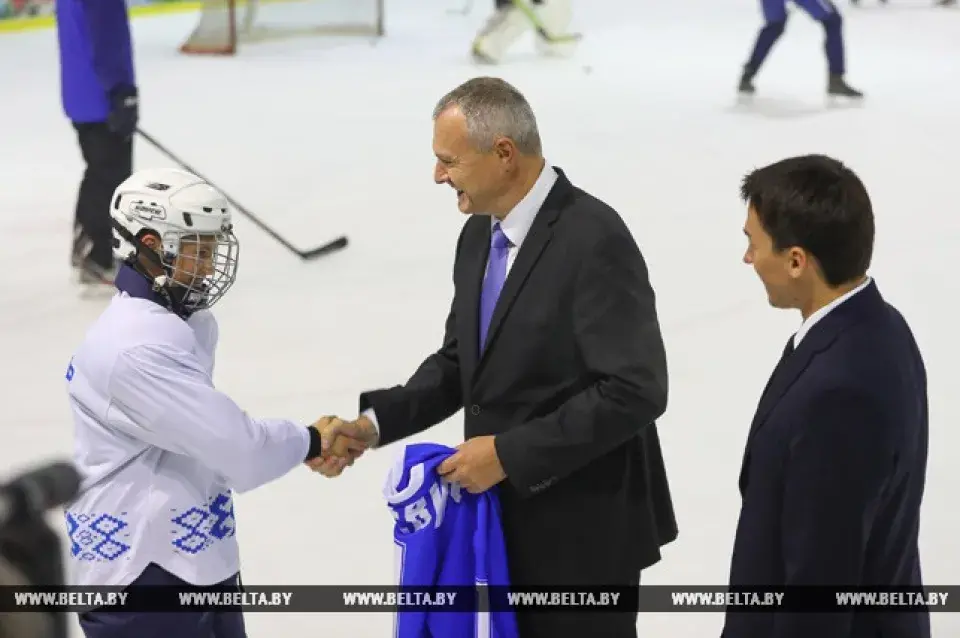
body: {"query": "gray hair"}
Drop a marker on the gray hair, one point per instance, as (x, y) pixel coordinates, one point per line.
(493, 108)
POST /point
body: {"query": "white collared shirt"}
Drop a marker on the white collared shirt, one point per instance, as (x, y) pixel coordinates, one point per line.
(518, 221)
(823, 312)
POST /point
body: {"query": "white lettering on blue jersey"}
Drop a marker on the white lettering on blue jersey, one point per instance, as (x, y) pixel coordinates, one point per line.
(445, 537)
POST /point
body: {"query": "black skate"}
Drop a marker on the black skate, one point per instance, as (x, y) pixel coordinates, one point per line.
(91, 273)
(81, 247)
(92, 276)
(839, 90)
(745, 89)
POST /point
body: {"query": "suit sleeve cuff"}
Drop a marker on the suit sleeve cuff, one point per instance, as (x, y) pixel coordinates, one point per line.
(511, 460)
(513, 456)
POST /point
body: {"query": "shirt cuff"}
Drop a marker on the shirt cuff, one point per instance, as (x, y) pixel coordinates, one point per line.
(370, 414)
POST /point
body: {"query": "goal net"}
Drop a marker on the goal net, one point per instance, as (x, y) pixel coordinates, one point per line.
(224, 25)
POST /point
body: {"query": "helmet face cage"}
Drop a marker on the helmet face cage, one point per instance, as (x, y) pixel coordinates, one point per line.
(200, 266)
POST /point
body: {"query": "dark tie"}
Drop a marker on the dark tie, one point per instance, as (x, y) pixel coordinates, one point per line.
(493, 282)
(787, 351)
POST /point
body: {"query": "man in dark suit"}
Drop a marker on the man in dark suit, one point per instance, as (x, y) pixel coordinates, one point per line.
(553, 347)
(836, 457)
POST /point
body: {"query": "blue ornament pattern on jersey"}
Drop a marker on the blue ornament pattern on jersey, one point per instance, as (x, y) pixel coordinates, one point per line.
(201, 526)
(96, 537)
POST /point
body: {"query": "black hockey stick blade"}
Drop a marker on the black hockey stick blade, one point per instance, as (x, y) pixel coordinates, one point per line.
(552, 38)
(337, 244)
(306, 255)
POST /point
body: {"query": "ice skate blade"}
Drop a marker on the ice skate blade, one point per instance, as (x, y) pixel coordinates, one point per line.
(840, 102)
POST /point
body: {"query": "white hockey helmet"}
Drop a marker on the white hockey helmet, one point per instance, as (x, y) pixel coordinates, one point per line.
(192, 219)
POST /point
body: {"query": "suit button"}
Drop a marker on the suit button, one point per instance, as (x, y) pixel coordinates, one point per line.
(474, 410)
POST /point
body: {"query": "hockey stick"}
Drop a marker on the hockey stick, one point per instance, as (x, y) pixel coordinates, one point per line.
(306, 255)
(552, 38)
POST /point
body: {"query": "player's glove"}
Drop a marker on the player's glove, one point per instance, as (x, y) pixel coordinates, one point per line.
(124, 111)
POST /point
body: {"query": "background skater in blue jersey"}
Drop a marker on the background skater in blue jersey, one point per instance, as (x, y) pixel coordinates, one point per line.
(775, 21)
(99, 95)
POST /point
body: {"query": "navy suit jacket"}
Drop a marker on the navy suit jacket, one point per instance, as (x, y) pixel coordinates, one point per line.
(833, 474)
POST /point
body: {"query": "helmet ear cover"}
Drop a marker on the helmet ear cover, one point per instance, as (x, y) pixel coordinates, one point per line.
(147, 260)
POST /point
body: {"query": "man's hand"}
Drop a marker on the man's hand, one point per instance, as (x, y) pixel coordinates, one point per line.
(343, 442)
(332, 463)
(475, 465)
(362, 432)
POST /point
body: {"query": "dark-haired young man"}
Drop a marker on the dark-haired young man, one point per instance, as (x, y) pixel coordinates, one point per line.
(835, 462)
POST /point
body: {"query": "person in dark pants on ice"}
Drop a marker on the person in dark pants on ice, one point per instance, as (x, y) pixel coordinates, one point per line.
(99, 94)
(775, 21)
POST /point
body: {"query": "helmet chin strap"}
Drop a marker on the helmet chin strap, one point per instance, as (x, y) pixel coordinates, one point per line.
(149, 264)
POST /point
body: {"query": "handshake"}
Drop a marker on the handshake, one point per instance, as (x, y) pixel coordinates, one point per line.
(343, 442)
(475, 465)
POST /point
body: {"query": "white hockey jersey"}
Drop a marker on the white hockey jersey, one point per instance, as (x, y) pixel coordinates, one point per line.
(160, 449)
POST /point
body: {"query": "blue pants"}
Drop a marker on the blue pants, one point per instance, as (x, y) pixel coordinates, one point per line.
(776, 10)
(775, 21)
(183, 624)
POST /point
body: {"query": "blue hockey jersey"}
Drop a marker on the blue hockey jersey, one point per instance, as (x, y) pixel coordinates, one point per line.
(96, 56)
(445, 537)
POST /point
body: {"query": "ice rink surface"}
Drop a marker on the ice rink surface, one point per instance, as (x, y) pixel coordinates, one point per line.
(323, 139)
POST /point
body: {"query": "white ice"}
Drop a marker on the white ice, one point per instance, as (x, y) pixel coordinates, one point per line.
(323, 140)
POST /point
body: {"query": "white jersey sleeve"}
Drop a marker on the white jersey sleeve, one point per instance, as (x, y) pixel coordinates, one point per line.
(162, 396)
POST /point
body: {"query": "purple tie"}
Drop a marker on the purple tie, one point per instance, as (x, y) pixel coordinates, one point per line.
(493, 282)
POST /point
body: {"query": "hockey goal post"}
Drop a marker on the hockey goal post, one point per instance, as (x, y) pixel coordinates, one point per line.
(224, 25)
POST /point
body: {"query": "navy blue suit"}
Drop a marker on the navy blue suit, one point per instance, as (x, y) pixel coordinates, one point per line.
(833, 474)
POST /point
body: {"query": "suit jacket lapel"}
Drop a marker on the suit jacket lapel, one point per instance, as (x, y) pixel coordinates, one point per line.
(784, 376)
(536, 240)
(780, 381)
(476, 267)
(821, 336)
(530, 250)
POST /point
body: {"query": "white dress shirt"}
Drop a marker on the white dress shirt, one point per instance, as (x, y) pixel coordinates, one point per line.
(823, 312)
(518, 221)
(515, 226)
